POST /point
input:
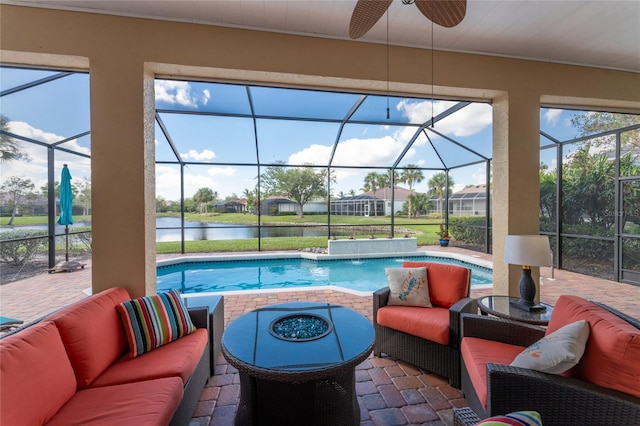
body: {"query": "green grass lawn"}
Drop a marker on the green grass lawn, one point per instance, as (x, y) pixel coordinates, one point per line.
(36, 220)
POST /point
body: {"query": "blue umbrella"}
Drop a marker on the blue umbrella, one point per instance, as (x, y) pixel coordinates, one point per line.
(66, 205)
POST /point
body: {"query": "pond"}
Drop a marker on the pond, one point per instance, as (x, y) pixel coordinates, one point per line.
(201, 231)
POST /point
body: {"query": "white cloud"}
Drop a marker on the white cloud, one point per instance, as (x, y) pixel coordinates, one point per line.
(458, 187)
(479, 178)
(552, 116)
(179, 92)
(205, 155)
(222, 171)
(468, 121)
(25, 129)
(314, 154)
(353, 152)
(167, 176)
(37, 166)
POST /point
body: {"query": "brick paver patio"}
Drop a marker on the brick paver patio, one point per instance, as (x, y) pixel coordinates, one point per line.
(389, 392)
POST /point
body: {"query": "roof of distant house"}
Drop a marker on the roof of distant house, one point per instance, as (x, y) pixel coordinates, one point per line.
(385, 193)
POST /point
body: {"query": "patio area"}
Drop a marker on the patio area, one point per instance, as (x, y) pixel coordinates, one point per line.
(389, 392)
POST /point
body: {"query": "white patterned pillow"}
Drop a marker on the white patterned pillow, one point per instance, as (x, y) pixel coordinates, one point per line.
(557, 352)
(408, 287)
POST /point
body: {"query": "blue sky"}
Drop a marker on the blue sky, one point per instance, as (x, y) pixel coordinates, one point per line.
(60, 109)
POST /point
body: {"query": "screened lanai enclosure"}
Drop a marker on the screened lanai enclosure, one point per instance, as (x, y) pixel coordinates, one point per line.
(44, 124)
(293, 156)
(246, 167)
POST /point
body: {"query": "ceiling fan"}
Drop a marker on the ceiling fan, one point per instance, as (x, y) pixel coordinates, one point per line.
(446, 13)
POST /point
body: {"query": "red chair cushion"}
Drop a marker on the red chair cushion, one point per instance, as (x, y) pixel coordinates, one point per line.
(92, 333)
(447, 283)
(476, 353)
(147, 403)
(36, 377)
(612, 356)
(176, 359)
(429, 323)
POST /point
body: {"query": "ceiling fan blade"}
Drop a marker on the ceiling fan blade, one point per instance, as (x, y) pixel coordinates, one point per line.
(365, 15)
(446, 13)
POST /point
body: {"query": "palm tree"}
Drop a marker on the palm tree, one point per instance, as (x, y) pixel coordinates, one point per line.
(438, 187)
(371, 181)
(203, 196)
(9, 148)
(411, 175)
(385, 181)
(252, 199)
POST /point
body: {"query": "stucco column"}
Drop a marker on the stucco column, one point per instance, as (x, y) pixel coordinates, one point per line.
(123, 174)
(516, 182)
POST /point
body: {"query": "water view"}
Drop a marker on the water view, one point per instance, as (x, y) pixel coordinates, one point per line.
(201, 231)
(196, 231)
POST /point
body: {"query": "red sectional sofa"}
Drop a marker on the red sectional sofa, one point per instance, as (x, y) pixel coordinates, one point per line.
(602, 389)
(73, 368)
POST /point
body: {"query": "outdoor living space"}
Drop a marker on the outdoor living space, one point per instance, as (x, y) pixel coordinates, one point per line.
(389, 392)
(190, 128)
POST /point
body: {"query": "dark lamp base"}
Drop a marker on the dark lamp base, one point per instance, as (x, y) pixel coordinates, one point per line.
(527, 306)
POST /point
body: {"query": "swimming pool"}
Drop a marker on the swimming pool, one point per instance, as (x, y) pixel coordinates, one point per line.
(267, 274)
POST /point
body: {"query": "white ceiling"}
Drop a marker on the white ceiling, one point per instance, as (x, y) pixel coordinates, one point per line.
(604, 33)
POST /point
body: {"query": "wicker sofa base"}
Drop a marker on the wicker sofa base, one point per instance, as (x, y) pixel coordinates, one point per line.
(193, 390)
(464, 417)
(422, 353)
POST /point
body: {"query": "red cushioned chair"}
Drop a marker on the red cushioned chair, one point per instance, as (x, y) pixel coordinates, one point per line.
(602, 389)
(428, 338)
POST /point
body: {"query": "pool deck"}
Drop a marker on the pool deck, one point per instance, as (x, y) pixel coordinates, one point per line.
(389, 392)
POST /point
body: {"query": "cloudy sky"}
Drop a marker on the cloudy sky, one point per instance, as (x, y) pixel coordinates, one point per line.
(59, 110)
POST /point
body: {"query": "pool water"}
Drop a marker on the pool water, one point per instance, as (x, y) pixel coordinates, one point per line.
(365, 275)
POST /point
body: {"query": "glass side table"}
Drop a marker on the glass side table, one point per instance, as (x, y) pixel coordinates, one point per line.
(500, 306)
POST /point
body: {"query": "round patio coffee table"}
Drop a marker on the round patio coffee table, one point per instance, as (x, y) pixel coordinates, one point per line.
(297, 363)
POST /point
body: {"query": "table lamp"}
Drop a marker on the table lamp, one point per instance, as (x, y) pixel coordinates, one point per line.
(528, 251)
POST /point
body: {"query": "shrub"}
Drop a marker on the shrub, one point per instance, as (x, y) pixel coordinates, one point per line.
(468, 229)
(587, 248)
(16, 250)
(83, 238)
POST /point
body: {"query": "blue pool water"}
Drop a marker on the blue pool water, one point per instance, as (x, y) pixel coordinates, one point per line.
(261, 274)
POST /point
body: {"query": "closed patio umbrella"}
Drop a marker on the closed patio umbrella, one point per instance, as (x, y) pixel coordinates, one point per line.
(66, 205)
(66, 219)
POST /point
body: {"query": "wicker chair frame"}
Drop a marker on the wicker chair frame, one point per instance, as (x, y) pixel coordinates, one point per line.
(559, 400)
(443, 360)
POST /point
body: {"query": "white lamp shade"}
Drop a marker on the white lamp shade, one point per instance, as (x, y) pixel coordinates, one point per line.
(530, 250)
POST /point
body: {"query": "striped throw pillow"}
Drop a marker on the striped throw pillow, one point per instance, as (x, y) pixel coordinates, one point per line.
(153, 321)
(518, 418)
